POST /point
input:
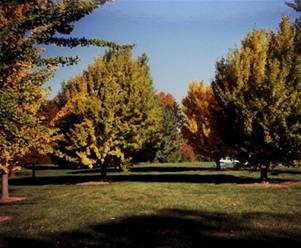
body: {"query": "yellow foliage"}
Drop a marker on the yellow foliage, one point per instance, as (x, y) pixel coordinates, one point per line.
(199, 127)
(108, 112)
(4, 158)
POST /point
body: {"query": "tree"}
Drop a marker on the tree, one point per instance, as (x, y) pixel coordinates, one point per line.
(186, 152)
(169, 145)
(47, 113)
(258, 92)
(167, 99)
(24, 25)
(296, 5)
(200, 127)
(108, 112)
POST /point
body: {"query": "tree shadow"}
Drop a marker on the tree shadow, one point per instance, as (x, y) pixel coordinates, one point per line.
(150, 169)
(169, 169)
(175, 228)
(39, 167)
(53, 180)
(183, 178)
(277, 172)
(93, 171)
(128, 177)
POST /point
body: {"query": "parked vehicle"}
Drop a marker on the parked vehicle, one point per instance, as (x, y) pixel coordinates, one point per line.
(227, 162)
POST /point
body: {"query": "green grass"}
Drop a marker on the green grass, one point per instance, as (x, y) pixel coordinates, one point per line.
(167, 205)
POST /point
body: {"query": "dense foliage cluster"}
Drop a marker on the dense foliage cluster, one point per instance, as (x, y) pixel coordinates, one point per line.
(200, 123)
(258, 90)
(251, 112)
(108, 113)
(24, 25)
(168, 148)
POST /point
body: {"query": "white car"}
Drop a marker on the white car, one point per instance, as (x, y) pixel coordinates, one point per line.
(228, 162)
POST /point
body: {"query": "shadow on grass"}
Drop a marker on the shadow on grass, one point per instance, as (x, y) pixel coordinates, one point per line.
(169, 169)
(149, 169)
(175, 228)
(92, 171)
(276, 172)
(184, 178)
(39, 167)
(127, 177)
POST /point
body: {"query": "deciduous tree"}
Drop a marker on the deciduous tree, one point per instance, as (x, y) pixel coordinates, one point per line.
(168, 149)
(108, 113)
(258, 91)
(24, 25)
(200, 128)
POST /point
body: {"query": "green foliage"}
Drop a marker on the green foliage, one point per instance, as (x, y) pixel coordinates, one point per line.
(24, 27)
(109, 112)
(258, 91)
(168, 147)
(38, 22)
(170, 143)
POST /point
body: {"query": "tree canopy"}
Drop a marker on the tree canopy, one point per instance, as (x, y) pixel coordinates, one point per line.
(168, 148)
(258, 91)
(24, 27)
(200, 127)
(109, 112)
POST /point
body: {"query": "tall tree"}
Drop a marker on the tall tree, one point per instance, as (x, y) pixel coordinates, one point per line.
(24, 25)
(108, 113)
(168, 148)
(258, 91)
(200, 127)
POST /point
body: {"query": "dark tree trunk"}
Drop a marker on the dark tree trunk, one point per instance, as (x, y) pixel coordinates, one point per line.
(12, 174)
(4, 188)
(218, 164)
(103, 171)
(33, 167)
(264, 174)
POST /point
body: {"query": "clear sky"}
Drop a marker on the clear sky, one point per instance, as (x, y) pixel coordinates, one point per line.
(183, 38)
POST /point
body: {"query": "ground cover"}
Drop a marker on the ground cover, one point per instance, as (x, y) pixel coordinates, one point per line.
(153, 205)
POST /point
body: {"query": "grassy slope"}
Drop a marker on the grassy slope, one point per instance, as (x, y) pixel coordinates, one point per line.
(153, 206)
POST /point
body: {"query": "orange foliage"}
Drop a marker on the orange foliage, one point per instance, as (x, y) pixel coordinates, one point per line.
(200, 125)
(186, 151)
(167, 99)
(13, 11)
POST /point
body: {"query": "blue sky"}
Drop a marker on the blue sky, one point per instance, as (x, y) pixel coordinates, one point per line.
(183, 38)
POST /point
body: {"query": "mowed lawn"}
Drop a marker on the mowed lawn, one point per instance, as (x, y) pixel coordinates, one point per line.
(154, 205)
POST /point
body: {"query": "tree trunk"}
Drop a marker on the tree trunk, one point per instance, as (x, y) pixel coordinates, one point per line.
(264, 174)
(12, 174)
(218, 164)
(103, 171)
(4, 193)
(33, 167)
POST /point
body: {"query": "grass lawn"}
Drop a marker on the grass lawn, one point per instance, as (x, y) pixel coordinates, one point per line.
(167, 205)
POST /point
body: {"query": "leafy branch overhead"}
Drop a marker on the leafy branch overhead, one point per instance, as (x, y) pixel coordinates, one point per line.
(296, 5)
(26, 24)
(26, 27)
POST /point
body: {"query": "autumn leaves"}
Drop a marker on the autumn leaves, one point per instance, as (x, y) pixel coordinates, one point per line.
(251, 112)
